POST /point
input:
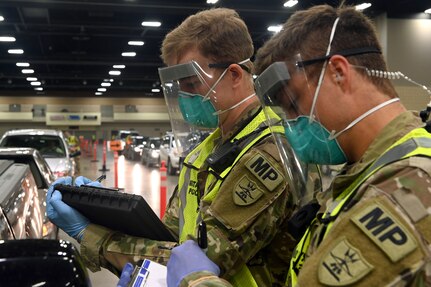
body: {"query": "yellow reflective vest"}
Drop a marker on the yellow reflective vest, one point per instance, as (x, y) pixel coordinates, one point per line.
(417, 142)
(189, 213)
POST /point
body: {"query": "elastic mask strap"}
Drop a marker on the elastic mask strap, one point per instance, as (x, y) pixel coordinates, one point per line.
(206, 97)
(322, 73)
(234, 106)
(334, 135)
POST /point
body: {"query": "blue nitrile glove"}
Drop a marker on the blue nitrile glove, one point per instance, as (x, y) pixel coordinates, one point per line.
(81, 180)
(126, 275)
(61, 214)
(188, 258)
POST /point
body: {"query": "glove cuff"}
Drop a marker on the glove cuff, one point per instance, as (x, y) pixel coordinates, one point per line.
(78, 236)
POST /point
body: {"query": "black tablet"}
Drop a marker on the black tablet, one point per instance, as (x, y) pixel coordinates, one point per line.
(128, 213)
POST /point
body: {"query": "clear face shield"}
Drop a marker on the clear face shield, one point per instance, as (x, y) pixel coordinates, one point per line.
(271, 88)
(288, 93)
(189, 94)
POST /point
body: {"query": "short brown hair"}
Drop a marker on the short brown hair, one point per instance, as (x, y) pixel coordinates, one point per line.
(219, 34)
(308, 31)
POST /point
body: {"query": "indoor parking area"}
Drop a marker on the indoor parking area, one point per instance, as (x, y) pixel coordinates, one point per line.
(215, 143)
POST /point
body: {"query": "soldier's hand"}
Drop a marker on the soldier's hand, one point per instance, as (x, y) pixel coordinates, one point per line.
(188, 258)
(126, 275)
(61, 214)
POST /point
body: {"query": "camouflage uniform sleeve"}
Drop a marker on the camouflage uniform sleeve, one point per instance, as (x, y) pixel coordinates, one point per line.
(250, 206)
(203, 279)
(384, 239)
(102, 247)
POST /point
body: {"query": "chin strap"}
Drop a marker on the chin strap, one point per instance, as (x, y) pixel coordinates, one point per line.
(234, 106)
(334, 134)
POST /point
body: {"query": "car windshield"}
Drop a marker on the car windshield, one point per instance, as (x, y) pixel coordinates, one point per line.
(48, 146)
(155, 144)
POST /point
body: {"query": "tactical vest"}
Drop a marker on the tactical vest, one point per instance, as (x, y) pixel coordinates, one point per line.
(415, 143)
(189, 213)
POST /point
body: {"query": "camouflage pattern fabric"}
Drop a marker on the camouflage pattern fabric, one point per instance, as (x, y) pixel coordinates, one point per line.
(231, 242)
(383, 237)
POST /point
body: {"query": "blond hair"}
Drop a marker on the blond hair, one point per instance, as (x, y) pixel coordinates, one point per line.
(219, 34)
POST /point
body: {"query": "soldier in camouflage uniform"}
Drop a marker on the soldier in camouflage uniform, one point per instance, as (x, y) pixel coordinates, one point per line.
(245, 202)
(373, 228)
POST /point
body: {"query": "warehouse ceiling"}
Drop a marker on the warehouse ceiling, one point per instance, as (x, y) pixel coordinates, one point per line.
(73, 44)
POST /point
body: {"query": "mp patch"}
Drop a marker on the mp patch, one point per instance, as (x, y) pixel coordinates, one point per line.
(385, 230)
(343, 265)
(246, 192)
(260, 167)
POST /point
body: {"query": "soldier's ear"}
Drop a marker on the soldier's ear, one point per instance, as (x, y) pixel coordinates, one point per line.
(236, 73)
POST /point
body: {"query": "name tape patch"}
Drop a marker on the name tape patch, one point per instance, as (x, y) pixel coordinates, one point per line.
(260, 167)
(385, 230)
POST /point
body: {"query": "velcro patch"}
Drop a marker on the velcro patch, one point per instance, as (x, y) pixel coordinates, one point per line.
(246, 192)
(260, 167)
(385, 230)
(343, 265)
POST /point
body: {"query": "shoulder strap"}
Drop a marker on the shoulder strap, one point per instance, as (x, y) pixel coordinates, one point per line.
(415, 143)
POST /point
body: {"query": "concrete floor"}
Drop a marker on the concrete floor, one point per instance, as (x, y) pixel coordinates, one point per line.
(132, 177)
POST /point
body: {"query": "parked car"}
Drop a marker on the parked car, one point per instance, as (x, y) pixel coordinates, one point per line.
(43, 178)
(20, 203)
(133, 150)
(37, 262)
(151, 152)
(169, 153)
(50, 143)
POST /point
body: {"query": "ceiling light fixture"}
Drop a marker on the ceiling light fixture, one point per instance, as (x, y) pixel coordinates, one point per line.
(362, 6)
(101, 89)
(105, 84)
(136, 43)
(27, 71)
(155, 90)
(35, 83)
(31, 79)
(151, 24)
(212, 1)
(118, 66)
(7, 39)
(115, 73)
(128, 54)
(275, 29)
(428, 11)
(290, 3)
(98, 93)
(15, 51)
(38, 89)
(1, 18)
(20, 64)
